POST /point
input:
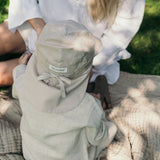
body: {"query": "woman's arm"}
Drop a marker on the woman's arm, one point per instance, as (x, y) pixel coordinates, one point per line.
(20, 11)
(117, 38)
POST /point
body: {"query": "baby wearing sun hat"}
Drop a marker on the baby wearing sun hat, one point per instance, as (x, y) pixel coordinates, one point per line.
(60, 120)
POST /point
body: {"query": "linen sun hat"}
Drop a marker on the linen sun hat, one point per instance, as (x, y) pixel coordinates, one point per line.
(60, 67)
(66, 48)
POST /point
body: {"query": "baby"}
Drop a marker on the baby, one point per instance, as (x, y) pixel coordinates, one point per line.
(60, 121)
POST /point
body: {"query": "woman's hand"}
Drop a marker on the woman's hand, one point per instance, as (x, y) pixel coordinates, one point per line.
(24, 58)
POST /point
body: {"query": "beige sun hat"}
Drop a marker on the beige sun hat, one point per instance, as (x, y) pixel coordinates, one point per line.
(66, 48)
(60, 67)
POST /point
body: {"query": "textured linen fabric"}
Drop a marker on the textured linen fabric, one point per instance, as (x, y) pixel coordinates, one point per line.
(60, 119)
(79, 133)
(115, 40)
(10, 156)
(66, 48)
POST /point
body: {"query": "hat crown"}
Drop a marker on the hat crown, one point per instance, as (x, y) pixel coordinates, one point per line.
(65, 48)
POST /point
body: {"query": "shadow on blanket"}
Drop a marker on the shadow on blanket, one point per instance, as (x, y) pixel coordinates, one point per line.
(136, 112)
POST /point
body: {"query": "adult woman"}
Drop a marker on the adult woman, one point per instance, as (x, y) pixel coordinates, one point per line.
(115, 22)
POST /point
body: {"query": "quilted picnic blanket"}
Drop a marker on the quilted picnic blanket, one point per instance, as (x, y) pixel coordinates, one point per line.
(10, 142)
(136, 112)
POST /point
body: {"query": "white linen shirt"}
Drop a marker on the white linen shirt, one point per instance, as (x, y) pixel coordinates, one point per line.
(114, 40)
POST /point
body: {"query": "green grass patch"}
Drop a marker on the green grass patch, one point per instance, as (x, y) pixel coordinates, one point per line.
(3, 10)
(145, 47)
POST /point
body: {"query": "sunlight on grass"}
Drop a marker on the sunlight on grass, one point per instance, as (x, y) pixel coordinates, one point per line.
(3, 17)
(152, 8)
(145, 46)
(3, 10)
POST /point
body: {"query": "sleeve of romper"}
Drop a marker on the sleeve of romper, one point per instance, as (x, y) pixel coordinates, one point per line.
(100, 132)
(21, 11)
(18, 80)
(116, 39)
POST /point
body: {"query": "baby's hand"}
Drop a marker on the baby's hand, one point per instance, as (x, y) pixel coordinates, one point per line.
(24, 58)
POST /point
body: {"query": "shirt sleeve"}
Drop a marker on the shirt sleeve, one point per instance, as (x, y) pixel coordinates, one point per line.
(21, 11)
(116, 39)
(18, 78)
(100, 132)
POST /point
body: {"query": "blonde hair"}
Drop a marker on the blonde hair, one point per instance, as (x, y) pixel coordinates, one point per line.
(103, 10)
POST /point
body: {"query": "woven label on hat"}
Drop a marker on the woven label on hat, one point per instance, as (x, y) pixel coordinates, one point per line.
(58, 70)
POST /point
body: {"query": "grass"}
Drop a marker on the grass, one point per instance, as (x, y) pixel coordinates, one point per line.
(145, 47)
(3, 10)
